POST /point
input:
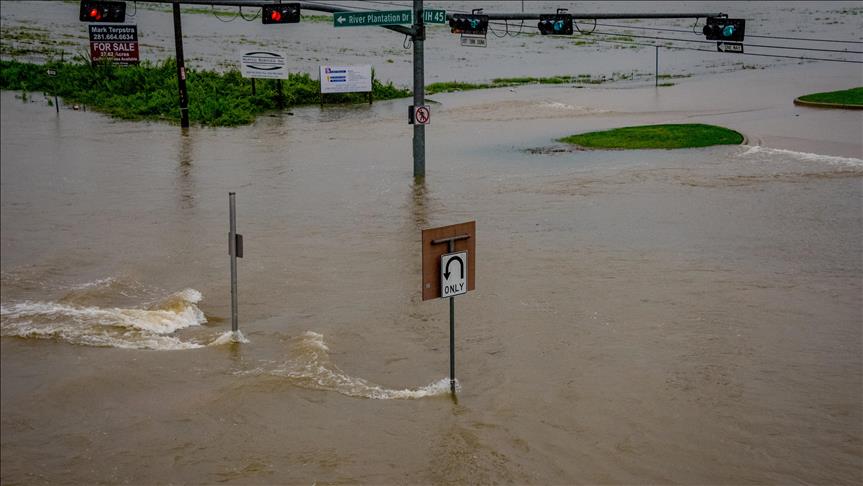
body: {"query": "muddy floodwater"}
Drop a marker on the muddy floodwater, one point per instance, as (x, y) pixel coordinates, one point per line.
(654, 317)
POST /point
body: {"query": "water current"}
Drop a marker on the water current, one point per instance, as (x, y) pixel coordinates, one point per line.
(689, 316)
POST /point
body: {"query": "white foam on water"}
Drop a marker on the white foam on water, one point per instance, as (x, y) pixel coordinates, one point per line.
(312, 368)
(102, 282)
(107, 327)
(756, 150)
(229, 337)
(557, 105)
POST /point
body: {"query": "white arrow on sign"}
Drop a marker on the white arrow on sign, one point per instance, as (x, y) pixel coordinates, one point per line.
(453, 274)
(341, 19)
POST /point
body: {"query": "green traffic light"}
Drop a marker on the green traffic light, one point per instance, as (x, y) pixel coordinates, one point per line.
(728, 31)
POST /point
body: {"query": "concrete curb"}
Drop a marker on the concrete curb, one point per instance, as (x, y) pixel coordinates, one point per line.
(816, 104)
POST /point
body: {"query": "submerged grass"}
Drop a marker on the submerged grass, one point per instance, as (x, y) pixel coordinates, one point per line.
(849, 97)
(450, 86)
(149, 91)
(657, 137)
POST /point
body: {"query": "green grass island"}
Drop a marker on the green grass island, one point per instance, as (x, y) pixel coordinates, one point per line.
(846, 98)
(690, 135)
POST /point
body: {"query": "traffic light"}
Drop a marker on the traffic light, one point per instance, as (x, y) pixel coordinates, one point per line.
(555, 24)
(102, 11)
(281, 13)
(469, 24)
(724, 29)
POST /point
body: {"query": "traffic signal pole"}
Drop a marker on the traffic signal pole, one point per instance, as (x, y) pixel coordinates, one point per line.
(419, 142)
(181, 67)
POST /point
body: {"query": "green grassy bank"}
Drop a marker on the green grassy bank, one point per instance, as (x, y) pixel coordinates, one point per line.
(849, 97)
(149, 91)
(657, 137)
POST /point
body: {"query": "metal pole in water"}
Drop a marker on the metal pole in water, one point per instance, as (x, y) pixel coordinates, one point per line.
(232, 249)
(451, 248)
(181, 67)
(419, 141)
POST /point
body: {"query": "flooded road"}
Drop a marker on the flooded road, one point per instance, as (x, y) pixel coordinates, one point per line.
(689, 316)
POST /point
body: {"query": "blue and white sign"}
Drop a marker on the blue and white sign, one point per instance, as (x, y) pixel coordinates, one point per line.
(346, 79)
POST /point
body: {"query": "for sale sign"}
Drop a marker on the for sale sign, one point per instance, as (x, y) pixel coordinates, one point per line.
(114, 43)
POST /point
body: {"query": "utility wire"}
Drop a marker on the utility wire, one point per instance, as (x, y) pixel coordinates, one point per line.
(698, 41)
(747, 35)
(391, 4)
(505, 25)
(802, 58)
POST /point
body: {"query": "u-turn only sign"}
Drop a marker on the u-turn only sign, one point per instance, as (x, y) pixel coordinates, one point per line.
(453, 274)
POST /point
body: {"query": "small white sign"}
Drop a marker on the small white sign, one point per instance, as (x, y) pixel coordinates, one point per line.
(453, 274)
(262, 64)
(346, 79)
(473, 40)
(422, 115)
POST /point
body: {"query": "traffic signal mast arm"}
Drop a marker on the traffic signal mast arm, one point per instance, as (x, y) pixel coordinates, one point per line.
(600, 16)
(408, 31)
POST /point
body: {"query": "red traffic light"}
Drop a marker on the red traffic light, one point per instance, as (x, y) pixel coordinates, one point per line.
(102, 11)
(281, 13)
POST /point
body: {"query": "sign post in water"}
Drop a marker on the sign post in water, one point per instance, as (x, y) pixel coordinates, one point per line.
(235, 250)
(447, 271)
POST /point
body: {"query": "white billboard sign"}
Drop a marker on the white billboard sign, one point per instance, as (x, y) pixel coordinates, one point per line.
(346, 79)
(263, 64)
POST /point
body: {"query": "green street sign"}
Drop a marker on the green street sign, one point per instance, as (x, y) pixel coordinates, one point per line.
(365, 19)
(434, 16)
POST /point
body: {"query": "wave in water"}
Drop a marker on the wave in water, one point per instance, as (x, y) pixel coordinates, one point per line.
(756, 150)
(229, 337)
(104, 326)
(311, 367)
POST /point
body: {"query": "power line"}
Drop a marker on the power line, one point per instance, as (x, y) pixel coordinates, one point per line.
(698, 41)
(802, 58)
(391, 4)
(506, 26)
(747, 35)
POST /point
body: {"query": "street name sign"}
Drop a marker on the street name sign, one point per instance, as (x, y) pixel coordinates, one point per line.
(115, 43)
(380, 17)
(473, 40)
(453, 271)
(264, 64)
(435, 244)
(735, 47)
(434, 16)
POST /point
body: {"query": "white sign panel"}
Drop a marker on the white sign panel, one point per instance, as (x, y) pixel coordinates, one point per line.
(262, 64)
(422, 115)
(346, 79)
(453, 274)
(473, 40)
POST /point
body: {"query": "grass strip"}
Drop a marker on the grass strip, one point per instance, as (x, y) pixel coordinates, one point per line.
(450, 86)
(847, 97)
(657, 137)
(149, 91)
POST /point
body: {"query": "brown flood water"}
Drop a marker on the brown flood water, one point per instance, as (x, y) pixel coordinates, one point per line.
(640, 317)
